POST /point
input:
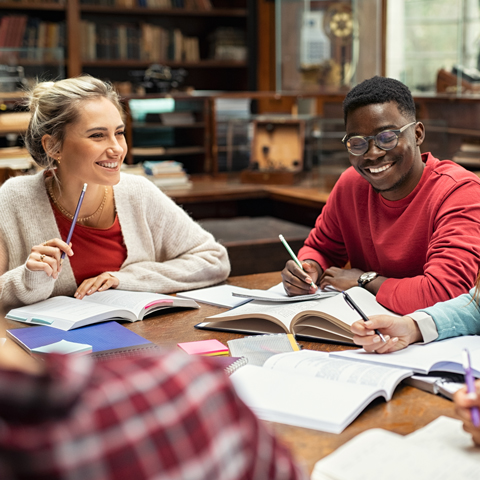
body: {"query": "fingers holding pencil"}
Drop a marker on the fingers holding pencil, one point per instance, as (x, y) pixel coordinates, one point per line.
(297, 281)
(47, 256)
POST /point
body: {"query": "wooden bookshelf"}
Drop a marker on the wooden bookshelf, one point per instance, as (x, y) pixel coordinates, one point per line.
(200, 24)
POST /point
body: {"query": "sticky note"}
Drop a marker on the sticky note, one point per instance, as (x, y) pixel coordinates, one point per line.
(204, 347)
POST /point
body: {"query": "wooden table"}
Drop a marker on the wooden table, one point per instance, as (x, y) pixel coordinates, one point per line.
(408, 410)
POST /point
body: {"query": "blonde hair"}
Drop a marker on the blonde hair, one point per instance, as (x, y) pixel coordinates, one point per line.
(54, 105)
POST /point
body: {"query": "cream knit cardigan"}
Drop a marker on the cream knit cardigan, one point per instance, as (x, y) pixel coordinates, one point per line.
(166, 250)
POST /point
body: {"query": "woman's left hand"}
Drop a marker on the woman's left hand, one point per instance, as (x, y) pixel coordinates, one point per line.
(96, 284)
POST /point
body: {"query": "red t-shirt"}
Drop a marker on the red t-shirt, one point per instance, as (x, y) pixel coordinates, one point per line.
(96, 250)
(427, 244)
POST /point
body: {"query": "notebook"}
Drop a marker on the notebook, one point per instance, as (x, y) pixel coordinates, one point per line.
(258, 349)
(105, 339)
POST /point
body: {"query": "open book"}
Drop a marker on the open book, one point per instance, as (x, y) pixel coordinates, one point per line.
(311, 389)
(320, 319)
(442, 356)
(441, 450)
(66, 313)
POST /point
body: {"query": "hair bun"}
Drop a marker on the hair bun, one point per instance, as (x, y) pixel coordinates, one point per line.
(36, 94)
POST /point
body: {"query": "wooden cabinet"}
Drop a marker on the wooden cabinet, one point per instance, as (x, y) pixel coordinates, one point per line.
(98, 33)
(170, 128)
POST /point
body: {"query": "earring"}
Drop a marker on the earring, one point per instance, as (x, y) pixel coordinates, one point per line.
(58, 159)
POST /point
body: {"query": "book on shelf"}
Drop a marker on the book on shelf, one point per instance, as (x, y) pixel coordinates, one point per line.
(441, 450)
(22, 31)
(67, 313)
(167, 4)
(101, 340)
(314, 390)
(320, 319)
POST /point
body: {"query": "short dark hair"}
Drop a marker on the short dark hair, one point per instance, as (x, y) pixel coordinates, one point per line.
(379, 90)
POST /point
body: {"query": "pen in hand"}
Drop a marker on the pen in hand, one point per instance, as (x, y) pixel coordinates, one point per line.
(74, 221)
(355, 307)
(294, 257)
(470, 381)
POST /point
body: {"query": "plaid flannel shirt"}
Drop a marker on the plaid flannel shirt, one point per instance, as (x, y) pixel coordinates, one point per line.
(164, 417)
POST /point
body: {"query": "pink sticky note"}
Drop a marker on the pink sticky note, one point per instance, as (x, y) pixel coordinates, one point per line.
(203, 347)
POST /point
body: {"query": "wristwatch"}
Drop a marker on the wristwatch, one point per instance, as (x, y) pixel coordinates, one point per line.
(366, 277)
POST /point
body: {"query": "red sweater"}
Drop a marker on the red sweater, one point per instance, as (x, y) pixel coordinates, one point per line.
(427, 244)
(96, 250)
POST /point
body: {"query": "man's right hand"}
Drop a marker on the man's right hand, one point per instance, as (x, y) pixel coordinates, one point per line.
(297, 281)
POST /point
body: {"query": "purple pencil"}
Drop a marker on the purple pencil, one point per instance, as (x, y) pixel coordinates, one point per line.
(74, 221)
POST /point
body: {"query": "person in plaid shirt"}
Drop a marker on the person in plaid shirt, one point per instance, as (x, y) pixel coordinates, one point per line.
(160, 417)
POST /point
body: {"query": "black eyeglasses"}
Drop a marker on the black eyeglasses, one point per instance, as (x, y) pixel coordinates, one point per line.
(386, 140)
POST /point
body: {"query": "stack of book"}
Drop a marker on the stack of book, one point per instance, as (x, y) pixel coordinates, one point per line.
(167, 174)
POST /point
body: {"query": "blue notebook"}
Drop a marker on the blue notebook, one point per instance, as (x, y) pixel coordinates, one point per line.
(106, 339)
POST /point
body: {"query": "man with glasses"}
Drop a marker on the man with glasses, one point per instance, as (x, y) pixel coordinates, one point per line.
(408, 223)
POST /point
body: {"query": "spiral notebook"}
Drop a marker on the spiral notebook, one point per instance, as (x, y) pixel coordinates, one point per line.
(229, 364)
(105, 340)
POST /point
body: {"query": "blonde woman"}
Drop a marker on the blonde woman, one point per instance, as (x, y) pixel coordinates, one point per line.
(129, 235)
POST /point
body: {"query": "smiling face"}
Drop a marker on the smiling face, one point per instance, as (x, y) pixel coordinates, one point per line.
(94, 146)
(393, 173)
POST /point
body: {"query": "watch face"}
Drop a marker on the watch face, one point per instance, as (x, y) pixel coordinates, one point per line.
(366, 277)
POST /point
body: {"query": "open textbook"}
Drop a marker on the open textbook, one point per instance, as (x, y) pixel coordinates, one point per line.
(311, 389)
(66, 313)
(320, 319)
(441, 450)
(443, 356)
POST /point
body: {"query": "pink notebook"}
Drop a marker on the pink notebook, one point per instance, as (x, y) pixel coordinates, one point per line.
(204, 347)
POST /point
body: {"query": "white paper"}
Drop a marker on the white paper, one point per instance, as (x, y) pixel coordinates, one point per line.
(445, 355)
(440, 451)
(220, 295)
(278, 294)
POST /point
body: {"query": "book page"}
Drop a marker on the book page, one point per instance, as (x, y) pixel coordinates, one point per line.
(377, 453)
(334, 307)
(133, 301)
(302, 401)
(283, 313)
(321, 365)
(445, 355)
(66, 312)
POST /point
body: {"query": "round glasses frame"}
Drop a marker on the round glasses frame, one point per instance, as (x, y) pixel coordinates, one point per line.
(346, 140)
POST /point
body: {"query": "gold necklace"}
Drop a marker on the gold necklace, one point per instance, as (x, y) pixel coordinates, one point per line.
(69, 215)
